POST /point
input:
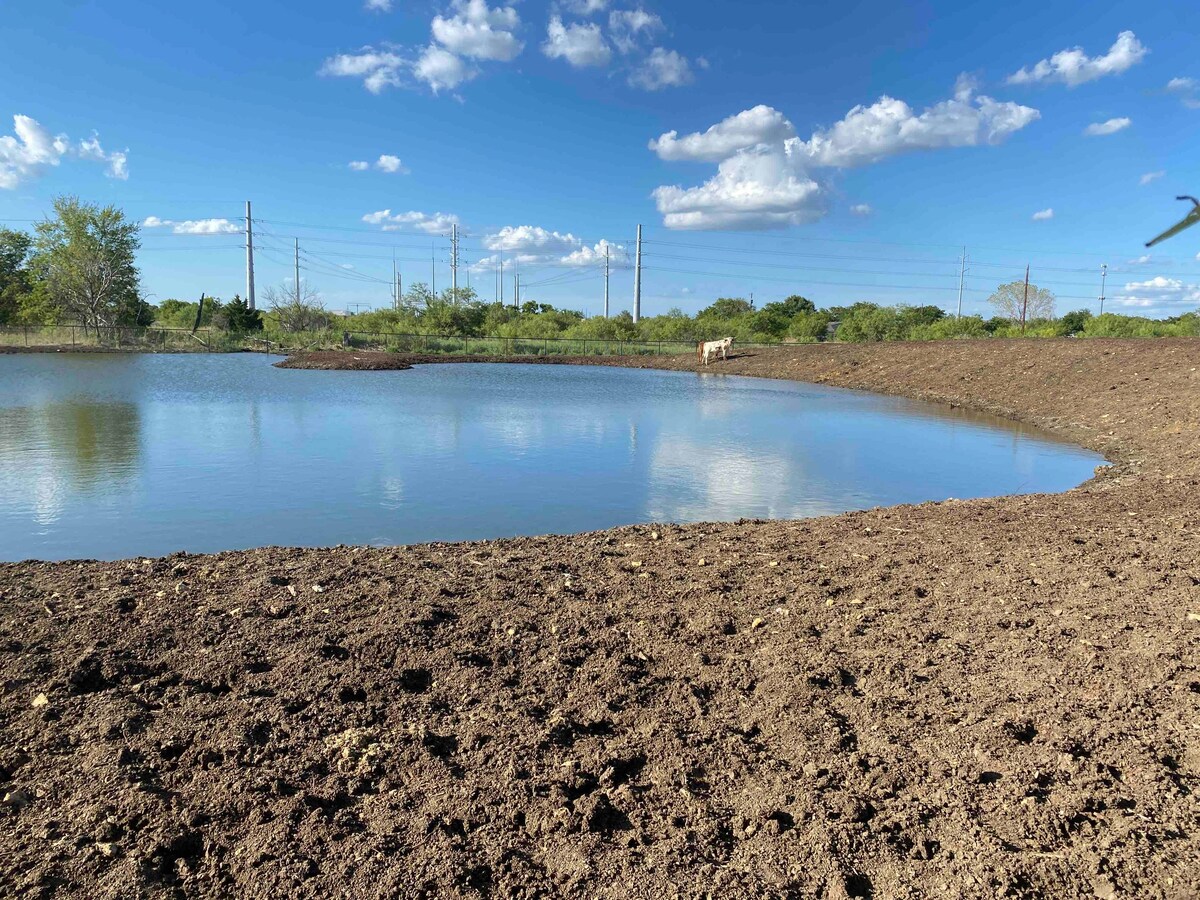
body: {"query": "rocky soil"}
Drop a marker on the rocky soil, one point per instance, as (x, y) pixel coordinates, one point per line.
(995, 698)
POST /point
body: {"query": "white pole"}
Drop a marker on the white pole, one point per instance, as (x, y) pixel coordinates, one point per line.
(249, 257)
(637, 281)
(501, 277)
(433, 269)
(454, 263)
(606, 281)
(962, 272)
(1103, 281)
(395, 283)
(297, 270)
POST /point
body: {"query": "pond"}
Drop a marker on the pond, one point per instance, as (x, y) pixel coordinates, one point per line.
(109, 456)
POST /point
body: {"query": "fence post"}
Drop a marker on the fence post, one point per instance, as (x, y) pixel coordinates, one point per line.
(26, 335)
(72, 336)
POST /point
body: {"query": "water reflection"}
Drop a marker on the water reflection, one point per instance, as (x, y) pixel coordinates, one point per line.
(122, 456)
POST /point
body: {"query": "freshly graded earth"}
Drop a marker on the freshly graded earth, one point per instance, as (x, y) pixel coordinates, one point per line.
(996, 698)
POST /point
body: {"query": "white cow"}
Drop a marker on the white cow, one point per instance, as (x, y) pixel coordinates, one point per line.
(707, 350)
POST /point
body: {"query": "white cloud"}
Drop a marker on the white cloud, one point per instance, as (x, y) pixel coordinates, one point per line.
(478, 31)
(628, 27)
(1043, 215)
(435, 223)
(531, 245)
(521, 238)
(1151, 177)
(760, 187)
(587, 7)
(390, 164)
(662, 69)
(1112, 126)
(194, 226)
(580, 45)
(378, 5)
(31, 149)
(861, 209)
(1140, 261)
(869, 134)
(378, 69)
(386, 163)
(1074, 67)
(1188, 89)
(760, 125)
(765, 177)
(442, 70)
(1161, 293)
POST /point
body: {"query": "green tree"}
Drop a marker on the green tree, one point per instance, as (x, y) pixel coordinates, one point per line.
(84, 257)
(237, 316)
(14, 274)
(726, 308)
(1075, 321)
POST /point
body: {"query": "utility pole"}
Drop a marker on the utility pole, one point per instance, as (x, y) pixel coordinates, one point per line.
(962, 274)
(433, 269)
(517, 293)
(395, 283)
(501, 278)
(297, 271)
(1025, 302)
(637, 281)
(249, 257)
(1103, 281)
(606, 281)
(454, 263)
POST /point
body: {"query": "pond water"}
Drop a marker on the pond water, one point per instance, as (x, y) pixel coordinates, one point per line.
(109, 456)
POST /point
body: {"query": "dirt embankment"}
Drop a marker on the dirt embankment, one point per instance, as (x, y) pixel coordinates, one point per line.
(994, 698)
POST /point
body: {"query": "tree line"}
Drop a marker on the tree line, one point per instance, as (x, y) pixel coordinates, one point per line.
(79, 266)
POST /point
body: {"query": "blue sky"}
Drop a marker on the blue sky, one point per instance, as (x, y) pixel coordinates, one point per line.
(842, 151)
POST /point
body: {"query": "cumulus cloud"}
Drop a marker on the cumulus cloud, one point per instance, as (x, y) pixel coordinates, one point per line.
(587, 7)
(386, 163)
(1074, 67)
(581, 45)
(769, 177)
(429, 223)
(1151, 177)
(442, 70)
(869, 134)
(1160, 292)
(629, 27)
(861, 209)
(1112, 126)
(759, 125)
(1140, 261)
(194, 226)
(531, 245)
(378, 69)
(662, 69)
(378, 5)
(478, 31)
(760, 187)
(1043, 215)
(31, 149)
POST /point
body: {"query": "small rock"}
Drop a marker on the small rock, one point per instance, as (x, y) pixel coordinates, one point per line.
(757, 623)
(318, 589)
(291, 590)
(108, 849)
(40, 700)
(1194, 617)
(16, 798)
(702, 561)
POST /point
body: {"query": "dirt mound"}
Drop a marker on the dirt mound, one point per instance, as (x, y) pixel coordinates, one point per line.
(986, 698)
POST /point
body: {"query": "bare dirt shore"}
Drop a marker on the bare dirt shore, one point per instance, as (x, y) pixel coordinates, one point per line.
(994, 698)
